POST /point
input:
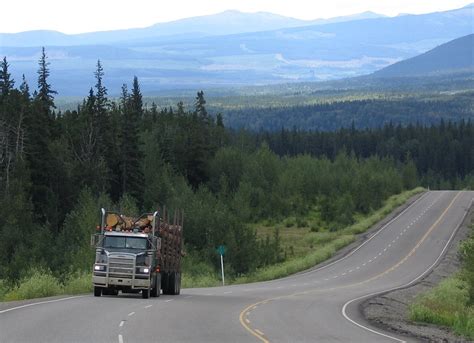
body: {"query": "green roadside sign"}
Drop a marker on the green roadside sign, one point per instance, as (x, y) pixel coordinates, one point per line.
(221, 249)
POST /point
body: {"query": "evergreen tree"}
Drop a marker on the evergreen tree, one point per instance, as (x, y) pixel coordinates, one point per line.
(45, 93)
(200, 108)
(24, 88)
(6, 82)
(131, 177)
(101, 90)
(39, 125)
(104, 136)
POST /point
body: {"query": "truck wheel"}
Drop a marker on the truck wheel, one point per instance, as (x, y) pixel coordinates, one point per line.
(178, 283)
(155, 291)
(172, 283)
(97, 291)
(146, 293)
(165, 283)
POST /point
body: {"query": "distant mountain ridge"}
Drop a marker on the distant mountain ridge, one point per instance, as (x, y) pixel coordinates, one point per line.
(454, 56)
(224, 23)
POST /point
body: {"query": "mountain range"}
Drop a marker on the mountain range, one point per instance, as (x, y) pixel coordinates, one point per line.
(233, 48)
(225, 23)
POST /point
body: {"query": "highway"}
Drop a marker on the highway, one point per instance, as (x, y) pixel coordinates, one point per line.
(319, 305)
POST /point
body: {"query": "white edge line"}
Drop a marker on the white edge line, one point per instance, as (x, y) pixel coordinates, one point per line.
(121, 323)
(400, 287)
(120, 338)
(41, 302)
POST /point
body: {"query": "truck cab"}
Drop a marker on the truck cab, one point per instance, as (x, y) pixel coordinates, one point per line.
(127, 261)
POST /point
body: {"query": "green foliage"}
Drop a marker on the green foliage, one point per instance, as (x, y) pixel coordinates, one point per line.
(3, 289)
(451, 302)
(79, 225)
(467, 254)
(448, 305)
(330, 112)
(39, 283)
(78, 283)
(197, 273)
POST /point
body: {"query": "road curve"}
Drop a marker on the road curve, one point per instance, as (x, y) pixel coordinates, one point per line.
(320, 305)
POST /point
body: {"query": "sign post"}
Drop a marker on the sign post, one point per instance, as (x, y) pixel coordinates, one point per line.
(221, 250)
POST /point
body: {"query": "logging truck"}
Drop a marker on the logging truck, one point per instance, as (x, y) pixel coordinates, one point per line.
(135, 255)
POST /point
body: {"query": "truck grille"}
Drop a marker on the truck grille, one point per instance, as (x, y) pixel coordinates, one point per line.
(121, 267)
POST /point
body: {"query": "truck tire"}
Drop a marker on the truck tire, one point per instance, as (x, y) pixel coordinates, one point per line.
(165, 281)
(97, 291)
(178, 283)
(155, 291)
(172, 283)
(146, 293)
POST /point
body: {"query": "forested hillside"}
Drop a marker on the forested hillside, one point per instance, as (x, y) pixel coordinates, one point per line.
(59, 168)
(363, 113)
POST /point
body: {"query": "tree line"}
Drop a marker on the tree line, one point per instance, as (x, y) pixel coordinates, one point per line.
(59, 168)
(443, 154)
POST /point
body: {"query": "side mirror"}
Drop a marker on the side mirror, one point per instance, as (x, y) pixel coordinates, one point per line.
(95, 239)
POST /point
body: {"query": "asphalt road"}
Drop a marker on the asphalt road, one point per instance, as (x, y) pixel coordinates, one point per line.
(320, 305)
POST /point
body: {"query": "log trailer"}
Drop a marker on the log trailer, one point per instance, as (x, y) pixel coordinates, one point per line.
(138, 255)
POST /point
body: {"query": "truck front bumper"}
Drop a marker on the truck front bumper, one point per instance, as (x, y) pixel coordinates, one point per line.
(104, 281)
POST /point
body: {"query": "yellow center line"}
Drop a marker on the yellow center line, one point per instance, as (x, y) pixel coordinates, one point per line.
(257, 333)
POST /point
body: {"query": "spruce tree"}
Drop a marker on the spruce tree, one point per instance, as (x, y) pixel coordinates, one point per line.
(131, 154)
(200, 108)
(6, 82)
(45, 93)
(39, 124)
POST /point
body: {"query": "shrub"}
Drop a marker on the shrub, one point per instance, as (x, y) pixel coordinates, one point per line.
(77, 283)
(300, 222)
(446, 305)
(39, 283)
(3, 289)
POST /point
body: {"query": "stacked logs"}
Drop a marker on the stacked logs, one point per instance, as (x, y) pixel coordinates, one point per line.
(117, 222)
(171, 241)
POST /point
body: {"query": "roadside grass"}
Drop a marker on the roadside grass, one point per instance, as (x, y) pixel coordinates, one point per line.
(3, 289)
(451, 302)
(447, 304)
(41, 283)
(38, 284)
(196, 273)
(306, 242)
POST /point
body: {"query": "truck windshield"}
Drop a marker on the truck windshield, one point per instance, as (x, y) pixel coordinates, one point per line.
(119, 242)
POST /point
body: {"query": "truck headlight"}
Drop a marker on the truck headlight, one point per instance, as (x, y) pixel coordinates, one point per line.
(144, 270)
(99, 267)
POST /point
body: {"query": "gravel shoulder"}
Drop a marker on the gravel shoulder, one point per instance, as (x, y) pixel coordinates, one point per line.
(389, 311)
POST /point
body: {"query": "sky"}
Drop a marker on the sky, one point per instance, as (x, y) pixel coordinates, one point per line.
(73, 16)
